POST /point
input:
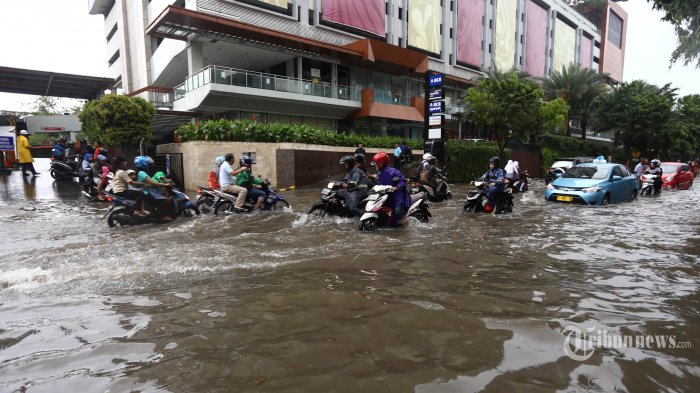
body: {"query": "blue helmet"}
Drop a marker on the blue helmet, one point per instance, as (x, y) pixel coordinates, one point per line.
(101, 157)
(220, 160)
(143, 162)
(87, 156)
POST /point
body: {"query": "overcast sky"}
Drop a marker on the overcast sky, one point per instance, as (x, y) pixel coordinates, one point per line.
(61, 36)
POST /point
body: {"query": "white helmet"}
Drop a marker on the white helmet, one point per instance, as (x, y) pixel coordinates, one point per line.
(427, 157)
(23, 132)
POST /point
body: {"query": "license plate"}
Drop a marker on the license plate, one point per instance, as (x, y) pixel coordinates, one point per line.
(563, 198)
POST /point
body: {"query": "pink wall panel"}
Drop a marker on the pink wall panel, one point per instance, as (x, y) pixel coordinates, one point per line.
(470, 31)
(586, 52)
(365, 15)
(536, 44)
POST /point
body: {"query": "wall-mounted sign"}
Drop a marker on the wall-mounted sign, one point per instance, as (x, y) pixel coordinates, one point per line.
(436, 107)
(7, 143)
(435, 120)
(435, 80)
(315, 73)
(435, 133)
(437, 93)
(52, 129)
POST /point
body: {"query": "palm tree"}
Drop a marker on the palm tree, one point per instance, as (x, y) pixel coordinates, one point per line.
(579, 87)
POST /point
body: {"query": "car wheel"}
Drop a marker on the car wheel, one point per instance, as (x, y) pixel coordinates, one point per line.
(606, 200)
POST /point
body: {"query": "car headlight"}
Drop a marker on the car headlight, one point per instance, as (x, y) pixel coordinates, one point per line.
(550, 187)
(591, 189)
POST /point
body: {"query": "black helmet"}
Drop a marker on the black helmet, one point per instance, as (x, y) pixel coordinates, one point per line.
(655, 163)
(496, 161)
(360, 158)
(349, 159)
(246, 161)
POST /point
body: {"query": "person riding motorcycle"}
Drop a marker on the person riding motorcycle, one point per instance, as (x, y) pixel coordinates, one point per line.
(122, 183)
(228, 179)
(101, 169)
(496, 176)
(154, 191)
(249, 182)
(86, 171)
(655, 169)
(360, 162)
(400, 199)
(59, 150)
(430, 173)
(354, 184)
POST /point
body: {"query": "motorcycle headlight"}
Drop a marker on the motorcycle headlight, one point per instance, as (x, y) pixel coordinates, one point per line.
(550, 186)
(591, 189)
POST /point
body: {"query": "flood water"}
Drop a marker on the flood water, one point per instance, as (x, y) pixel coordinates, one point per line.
(282, 302)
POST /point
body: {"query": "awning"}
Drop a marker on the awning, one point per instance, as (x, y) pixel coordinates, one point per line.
(53, 84)
(373, 50)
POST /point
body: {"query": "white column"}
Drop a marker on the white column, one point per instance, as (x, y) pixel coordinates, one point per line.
(195, 57)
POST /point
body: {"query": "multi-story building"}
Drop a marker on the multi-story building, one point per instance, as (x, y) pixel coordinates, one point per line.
(346, 65)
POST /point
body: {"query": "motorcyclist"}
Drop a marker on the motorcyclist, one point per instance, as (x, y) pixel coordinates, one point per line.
(655, 169)
(399, 200)
(214, 175)
(227, 179)
(432, 175)
(246, 180)
(103, 173)
(86, 171)
(496, 177)
(360, 163)
(423, 166)
(59, 150)
(406, 152)
(354, 184)
(154, 191)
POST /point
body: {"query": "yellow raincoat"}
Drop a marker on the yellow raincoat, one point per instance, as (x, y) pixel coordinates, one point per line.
(24, 150)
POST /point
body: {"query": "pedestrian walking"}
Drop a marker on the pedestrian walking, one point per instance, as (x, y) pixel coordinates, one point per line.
(360, 150)
(24, 150)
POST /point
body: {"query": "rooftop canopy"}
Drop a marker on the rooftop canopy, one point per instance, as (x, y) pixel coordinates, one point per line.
(45, 83)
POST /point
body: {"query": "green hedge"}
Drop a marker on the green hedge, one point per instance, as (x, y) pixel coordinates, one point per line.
(467, 161)
(248, 131)
(556, 146)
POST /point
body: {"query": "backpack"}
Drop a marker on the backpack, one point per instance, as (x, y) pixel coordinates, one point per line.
(213, 181)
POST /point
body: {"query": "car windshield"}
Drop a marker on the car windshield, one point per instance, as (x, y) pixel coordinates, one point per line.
(562, 164)
(588, 172)
(669, 168)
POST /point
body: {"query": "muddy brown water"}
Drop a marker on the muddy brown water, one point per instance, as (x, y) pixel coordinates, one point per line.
(288, 303)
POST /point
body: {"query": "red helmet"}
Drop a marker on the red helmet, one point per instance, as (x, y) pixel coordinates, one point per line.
(380, 159)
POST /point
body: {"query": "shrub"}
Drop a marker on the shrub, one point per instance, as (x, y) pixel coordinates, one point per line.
(247, 131)
(467, 161)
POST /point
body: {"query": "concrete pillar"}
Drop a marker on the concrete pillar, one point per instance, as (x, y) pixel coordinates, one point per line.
(195, 57)
(334, 80)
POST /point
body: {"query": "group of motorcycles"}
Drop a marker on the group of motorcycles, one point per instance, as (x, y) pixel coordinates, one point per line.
(212, 200)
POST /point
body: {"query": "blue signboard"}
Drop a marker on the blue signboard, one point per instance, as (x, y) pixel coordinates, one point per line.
(435, 80)
(7, 143)
(437, 93)
(436, 107)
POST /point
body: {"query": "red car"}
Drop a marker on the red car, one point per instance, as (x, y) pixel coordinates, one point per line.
(676, 175)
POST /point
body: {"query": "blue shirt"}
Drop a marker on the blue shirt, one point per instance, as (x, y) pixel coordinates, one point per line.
(397, 151)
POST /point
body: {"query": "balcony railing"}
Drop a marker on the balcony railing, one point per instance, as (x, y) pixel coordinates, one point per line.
(387, 97)
(259, 80)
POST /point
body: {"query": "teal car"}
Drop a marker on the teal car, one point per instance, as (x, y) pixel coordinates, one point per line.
(593, 184)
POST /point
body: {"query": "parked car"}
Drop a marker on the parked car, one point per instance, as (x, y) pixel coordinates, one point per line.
(561, 165)
(593, 184)
(676, 175)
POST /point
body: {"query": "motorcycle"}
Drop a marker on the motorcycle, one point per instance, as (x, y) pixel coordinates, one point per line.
(477, 202)
(273, 201)
(648, 185)
(378, 215)
(332, 203)
(64, 170)
(122, 210)
(521, 185)
(440, 193)
(91, 193)
(207, 198)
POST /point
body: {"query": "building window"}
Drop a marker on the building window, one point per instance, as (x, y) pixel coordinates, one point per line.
(615, 29)
(112, 32)
(400, 13)
(114, 58)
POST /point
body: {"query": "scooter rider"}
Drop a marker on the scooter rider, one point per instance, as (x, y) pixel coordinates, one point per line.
(496, 176)
(227, 181)
(432, 175)
(86, 171)
(423, 166)
(252, 184)
(400, 199)
(655, 169)
(152, 191)
(354, 184)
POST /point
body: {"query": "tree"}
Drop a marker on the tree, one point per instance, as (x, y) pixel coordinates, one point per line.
(117, 120)
(578, 87)
(45, 105)
(641, 115)
(684, 15)
(688, 112)
(509, 105)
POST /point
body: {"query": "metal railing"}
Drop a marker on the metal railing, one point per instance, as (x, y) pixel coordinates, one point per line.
(259, 80)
